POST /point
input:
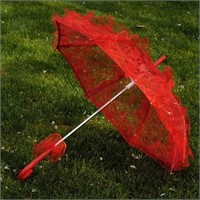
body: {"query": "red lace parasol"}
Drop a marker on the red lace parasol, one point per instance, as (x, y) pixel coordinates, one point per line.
(102, 55)
(105, 56)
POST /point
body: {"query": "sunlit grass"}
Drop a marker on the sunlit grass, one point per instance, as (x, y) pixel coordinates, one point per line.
(40, 95)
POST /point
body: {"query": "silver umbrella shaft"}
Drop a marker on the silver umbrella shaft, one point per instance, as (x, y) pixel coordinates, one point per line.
(96, 112)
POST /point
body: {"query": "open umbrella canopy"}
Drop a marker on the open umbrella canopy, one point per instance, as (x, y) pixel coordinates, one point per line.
(104, 57)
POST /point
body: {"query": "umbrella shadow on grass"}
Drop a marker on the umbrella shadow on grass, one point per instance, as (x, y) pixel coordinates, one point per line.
(93, 154)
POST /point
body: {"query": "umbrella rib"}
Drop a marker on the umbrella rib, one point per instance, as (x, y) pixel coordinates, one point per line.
(102, 87)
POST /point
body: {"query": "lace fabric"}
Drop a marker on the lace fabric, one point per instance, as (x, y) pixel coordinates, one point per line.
(49, 143)
(103, 55)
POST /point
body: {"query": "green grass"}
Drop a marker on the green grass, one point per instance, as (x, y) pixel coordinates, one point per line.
(38, 87)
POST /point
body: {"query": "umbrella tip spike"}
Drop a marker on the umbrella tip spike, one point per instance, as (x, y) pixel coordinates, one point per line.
(160, 60)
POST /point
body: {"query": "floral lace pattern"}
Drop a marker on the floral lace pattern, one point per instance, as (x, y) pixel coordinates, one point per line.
(103, 54)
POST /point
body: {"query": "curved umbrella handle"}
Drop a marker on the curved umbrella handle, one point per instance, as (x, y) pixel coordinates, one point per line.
(28, 170)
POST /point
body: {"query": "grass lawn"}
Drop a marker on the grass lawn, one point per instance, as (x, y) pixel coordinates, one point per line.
(38, 88)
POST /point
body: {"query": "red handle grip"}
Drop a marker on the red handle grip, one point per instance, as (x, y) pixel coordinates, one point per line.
(28, 170)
